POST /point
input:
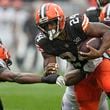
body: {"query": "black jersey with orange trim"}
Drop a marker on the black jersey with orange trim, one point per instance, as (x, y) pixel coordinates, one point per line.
(66, 44)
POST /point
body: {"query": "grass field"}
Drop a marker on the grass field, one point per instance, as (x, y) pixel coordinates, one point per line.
(31, 97)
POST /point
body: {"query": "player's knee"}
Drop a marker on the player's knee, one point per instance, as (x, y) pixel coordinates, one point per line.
(69, 102)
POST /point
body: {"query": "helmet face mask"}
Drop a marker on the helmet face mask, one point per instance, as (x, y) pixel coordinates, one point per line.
(54, 31)
(51, 22)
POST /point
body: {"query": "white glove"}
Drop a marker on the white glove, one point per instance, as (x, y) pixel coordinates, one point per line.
(60, 81)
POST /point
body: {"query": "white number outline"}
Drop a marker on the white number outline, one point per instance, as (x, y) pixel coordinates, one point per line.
(39, 37)
(74, 19)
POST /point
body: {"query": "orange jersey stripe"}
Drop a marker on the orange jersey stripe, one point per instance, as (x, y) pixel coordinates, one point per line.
(103, 13)
(85, 23)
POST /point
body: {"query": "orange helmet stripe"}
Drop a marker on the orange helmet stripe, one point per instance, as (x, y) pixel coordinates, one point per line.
(85, 23)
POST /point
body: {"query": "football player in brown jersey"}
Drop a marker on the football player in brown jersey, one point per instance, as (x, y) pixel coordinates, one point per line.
(60, 36)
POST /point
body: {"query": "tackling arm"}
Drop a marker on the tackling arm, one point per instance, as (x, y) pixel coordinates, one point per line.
(51, 68)
(50, 65)
(10, 76)
(27, 78)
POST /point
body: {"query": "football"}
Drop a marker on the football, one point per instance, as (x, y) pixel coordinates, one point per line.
(93, 42)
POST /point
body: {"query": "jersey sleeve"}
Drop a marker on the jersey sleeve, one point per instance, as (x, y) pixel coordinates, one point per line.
(79, 22)
(39, 42)
(85, 23)
(3, 66)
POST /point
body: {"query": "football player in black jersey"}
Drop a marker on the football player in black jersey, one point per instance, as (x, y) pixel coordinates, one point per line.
(60, 36)
(18, 77)
(93, 13)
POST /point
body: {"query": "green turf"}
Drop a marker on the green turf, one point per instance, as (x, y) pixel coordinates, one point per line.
(31, 97)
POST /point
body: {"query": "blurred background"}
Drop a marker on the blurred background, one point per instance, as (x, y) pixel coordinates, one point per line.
(18, 30)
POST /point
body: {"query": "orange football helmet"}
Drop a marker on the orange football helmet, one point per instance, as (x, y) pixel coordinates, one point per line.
(50, 13)
(4, 54)
(105, 13)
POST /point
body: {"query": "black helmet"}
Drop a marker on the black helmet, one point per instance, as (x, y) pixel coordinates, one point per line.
(102, 3)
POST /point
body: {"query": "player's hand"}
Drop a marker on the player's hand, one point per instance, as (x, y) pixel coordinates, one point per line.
(60, 81)
(50, 79)
(51, 68)
(92, 54)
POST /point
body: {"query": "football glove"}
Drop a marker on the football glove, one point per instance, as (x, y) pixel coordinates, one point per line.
(50, 79)
(60, 81)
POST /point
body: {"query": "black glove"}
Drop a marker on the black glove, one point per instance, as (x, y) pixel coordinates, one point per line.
(50, 79)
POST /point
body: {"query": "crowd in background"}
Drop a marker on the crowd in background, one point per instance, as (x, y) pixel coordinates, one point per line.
(18, 29)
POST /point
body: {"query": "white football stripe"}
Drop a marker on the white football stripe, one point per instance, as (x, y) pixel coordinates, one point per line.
(42, 10)
(90, 40)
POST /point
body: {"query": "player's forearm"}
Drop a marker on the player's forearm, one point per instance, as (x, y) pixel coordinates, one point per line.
(105, 43)
(30, 78)
(48, 59)
(73, 77)
(27, 78)
(50, 65)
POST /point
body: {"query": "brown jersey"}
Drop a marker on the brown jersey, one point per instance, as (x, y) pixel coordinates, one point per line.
(66, 44)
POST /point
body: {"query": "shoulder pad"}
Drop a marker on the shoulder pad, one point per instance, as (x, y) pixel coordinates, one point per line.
(93, 14)
(91, 8)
